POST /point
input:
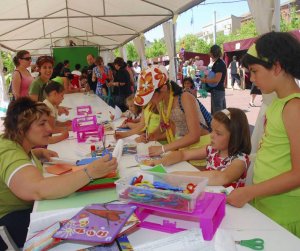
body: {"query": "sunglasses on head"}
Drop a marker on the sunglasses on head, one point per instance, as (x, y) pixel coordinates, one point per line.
(27, 58)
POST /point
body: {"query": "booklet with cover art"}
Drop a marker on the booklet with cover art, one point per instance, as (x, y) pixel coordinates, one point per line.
(99, 223)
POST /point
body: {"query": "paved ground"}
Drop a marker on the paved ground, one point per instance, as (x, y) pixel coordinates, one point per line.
(234, 98)
(239, 99)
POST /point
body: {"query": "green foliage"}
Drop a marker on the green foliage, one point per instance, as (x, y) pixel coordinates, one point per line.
(156, 49)
(117, 52)
(7, 61)
(294, 21)
(131, 52)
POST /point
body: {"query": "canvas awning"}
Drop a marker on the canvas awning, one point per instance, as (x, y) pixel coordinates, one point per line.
(36, 25)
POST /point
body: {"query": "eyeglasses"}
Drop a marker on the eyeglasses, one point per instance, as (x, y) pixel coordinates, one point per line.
(27, 58)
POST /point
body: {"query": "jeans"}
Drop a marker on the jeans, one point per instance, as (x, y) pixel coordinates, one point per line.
(218, 101)
(235, 77)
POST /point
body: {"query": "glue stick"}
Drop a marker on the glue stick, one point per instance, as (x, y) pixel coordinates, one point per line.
(93, 151)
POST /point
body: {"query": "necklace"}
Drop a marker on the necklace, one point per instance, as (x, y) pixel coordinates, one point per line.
(165, 124)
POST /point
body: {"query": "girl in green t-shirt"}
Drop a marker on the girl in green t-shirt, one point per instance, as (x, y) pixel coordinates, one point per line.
(274, 64)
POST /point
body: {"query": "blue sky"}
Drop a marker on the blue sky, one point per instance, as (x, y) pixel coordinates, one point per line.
(202, 15)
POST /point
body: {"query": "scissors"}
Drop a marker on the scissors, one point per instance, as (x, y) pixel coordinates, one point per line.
(255, 244)
(137, 180)
(105, 151)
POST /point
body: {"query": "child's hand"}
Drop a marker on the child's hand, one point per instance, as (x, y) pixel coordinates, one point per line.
(239, 196)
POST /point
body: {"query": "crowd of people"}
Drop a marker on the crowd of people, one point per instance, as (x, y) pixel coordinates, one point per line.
(158, 109)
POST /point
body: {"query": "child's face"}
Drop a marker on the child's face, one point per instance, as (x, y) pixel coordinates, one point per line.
(131, 106)
(58, 97)
(46, 71)
(187, 85)
(262, 78)
(219, 136)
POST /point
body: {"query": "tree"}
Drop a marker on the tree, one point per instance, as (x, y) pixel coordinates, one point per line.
(188, 42)
(131, 52)
(156, 49)
(7, 61)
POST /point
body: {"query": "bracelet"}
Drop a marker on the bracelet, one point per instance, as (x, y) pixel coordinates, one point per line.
(90, 177)
(163, 149)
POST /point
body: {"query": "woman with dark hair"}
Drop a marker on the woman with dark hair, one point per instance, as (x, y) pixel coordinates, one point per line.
(21, 77)
(102, 75)
(121, 84)
(21, 178)
(180, 113)
(218, 101)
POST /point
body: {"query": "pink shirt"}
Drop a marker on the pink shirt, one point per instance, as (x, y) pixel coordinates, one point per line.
(25, 83)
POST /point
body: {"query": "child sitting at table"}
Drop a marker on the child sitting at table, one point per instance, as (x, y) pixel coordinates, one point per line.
(133, 114)
(54, 96)
(227, 155)
(273, 62)
(149, 122)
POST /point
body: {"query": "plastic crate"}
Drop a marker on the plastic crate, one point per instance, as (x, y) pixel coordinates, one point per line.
(85, 124)
(209, 213)
(98, 134)
(170, 199)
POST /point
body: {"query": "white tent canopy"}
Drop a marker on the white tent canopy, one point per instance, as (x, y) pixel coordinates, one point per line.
(37, 25)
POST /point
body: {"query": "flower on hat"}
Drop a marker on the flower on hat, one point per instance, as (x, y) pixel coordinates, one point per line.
(160, 76)
(150, 79)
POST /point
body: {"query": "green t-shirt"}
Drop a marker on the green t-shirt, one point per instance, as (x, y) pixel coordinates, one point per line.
(37, 88)
(274, 158)
(12, 158)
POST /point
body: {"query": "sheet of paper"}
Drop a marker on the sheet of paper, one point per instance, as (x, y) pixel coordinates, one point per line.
(118, 113)
(190, 240)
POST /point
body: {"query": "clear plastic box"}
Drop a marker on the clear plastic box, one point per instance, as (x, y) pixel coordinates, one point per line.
(171, 199)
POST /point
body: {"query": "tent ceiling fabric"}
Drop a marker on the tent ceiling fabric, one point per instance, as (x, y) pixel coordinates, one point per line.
(37, 25)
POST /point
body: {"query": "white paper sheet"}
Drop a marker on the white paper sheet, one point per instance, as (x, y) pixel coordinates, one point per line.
(118, 113)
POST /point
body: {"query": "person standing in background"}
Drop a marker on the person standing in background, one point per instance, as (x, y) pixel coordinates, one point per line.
(218, 101)
(91, 62)
(235, 77)
(21, 77)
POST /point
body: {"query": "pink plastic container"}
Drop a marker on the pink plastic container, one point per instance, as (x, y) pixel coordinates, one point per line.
(83, 124)
(84, 110)
(87, 127)
(98, 133)
(209, 212)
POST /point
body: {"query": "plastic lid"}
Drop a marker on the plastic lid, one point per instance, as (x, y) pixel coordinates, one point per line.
(93, 148)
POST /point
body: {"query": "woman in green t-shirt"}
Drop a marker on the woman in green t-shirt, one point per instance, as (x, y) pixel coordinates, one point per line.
(21, 179)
